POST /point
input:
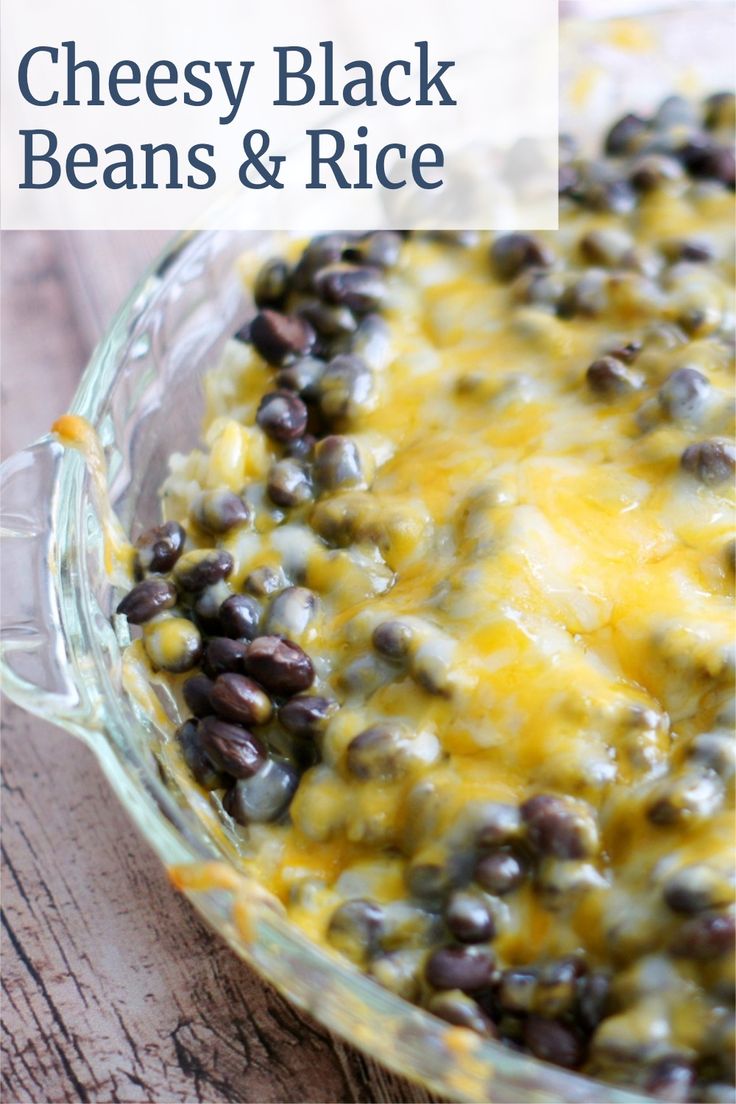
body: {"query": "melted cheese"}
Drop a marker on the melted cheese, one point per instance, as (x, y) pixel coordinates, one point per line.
(570, 578)
(558, 545)
(562, 549)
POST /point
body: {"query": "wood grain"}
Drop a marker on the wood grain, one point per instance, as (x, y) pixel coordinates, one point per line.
(113, 990)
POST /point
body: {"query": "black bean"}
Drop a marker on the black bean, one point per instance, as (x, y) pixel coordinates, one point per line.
(346, 387)
(174, 644)
(329, 320)
(517, 989)
(222, 655)
(653, 170)
(306, 715)
(196, 693)
(265, 580)
(301, 448)
(362, 675)
(705, 937)
(146, 599)
(202, 568)
(469, 919)
(556, 828)
(593, 999)
(671, 1079)
(207, 604)
(381, 248)
(372, 341)
(359, 287)
(511, 254)
(282, 416)
(231, 748)
(337, 463)
(279, 665)
(720, 111)
(196, 757)
(290, 612)
(557, 990)
(428, 881)
(393, 639)
(239, 617)
(613, 195)
(462, 1011)
(712, 462)
(359, 676)
(431, 667)
(684, 394)
(586, 297)
(695, 889)
(355, 929)
(303, 377)
(624, 134)
(608, 377)
(271, 284)
(707, 161)
(699, 321)
(695, 148)
(158, 549)
(466, 968)
(347, 519)
(265, 797)
(410, 927)
(325, 249)
(281, 337)
(609, 247)
(553, 1042)
(689, 250)
(237, 698)
(378, 752)
(496, 823)
(690, 796)
(538, 287)
(500, 872)
(220, 511)
(289, 483)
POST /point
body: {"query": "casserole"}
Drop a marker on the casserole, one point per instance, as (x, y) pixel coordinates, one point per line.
(61, 654)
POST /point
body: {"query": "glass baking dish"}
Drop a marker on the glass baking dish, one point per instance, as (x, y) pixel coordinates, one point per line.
(60, 657)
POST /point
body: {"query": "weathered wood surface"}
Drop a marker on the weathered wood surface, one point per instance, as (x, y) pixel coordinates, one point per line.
(113, 990)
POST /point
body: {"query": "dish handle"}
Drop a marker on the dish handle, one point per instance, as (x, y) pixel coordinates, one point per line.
(36, 665)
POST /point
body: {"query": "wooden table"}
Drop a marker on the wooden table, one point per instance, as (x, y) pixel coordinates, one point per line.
(113, 989)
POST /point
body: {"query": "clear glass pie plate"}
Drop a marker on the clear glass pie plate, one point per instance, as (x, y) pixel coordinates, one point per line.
(60, 657)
